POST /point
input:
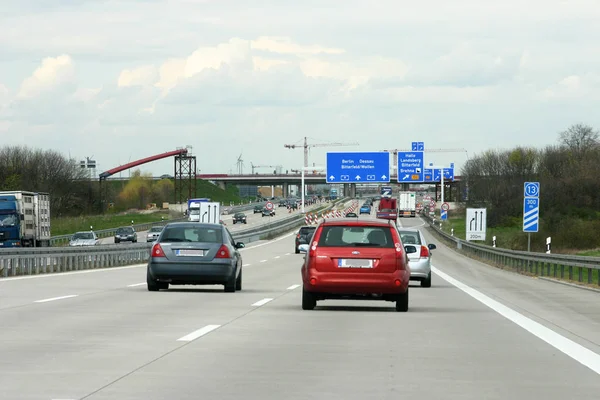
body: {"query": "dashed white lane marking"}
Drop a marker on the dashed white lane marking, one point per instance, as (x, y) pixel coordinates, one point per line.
(137, 284)
(287, 254)
(56, 298)
(246, 265)
(261, 302)
(293, 287)
(574, 350)
(200, 332)
(276, 257)
(262, 261)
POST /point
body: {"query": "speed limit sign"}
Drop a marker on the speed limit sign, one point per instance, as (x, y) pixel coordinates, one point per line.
(269, 206)
(445, 206)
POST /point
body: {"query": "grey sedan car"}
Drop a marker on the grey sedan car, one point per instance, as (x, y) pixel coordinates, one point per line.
(419, 255)
(191, 253)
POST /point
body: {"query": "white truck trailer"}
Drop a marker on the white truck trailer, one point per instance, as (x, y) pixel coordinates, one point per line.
(408, 204)
(24, 219)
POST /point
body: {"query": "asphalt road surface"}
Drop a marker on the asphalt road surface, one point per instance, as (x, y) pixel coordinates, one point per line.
(477, 333)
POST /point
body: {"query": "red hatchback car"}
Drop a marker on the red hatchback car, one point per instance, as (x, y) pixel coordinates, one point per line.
(356, 259)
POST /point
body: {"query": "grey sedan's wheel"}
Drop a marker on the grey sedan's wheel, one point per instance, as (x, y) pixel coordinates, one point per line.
(297, 250)
(426, 282)
(238, 281)
(308, 300)
(153, 286)
(230, 285)
(402, 302)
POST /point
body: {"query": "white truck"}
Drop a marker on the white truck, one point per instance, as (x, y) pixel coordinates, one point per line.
(408, 204)
(208, 212)
(24, 219)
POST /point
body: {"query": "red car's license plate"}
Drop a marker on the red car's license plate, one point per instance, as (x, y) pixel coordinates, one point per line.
(355, 263)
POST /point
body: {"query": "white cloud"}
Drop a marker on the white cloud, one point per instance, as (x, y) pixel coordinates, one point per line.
(140, 76)
(53, 72)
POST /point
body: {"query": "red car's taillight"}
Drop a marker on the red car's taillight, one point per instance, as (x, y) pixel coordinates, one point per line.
(223, 252)
(312, 251)
(424, 252)
(157, 251)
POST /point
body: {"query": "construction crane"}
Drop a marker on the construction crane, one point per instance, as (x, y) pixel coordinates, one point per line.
(263, 166)
(306, 146)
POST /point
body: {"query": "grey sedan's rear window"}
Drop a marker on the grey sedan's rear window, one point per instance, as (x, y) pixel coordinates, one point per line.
(408, 237)
(192, 234)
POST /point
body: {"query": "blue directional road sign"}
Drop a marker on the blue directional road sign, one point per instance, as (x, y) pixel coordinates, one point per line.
(428, 175)
(444, 215)
(532, 189)
(418, 146)
(410, 166)
(353, 167)
(531, 214)
(449, 174)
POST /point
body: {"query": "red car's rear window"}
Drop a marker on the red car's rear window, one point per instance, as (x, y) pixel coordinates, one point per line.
(356, 236)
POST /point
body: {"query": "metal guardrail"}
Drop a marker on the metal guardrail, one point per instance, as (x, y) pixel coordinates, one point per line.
(581, 269)
(43, 260)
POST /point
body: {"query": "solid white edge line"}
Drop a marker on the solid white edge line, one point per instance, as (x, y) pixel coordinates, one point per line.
(261, 302)
(293, 287)
(574, 350)
(136, 284)
(199, 333)
(56, 298)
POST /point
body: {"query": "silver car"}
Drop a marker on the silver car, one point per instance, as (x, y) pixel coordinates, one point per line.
(419, 255)
(153, 233)
(84, 239)
(192, 253)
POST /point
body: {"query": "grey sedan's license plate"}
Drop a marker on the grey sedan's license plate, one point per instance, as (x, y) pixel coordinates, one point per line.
(184, 252)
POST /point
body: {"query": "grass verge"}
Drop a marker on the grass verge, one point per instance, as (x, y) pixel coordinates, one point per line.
(69, 225)
(511, 237)
(588, 277)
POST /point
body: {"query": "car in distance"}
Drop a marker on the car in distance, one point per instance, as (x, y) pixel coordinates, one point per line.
(258, 209)
(303, 236)
(153, 233)
(351, 215)
(195, 254)
(84, 239)
(239, 217)
(419, 255)
(365, 209)
(126, 234)
(268, 213)
(355, 259)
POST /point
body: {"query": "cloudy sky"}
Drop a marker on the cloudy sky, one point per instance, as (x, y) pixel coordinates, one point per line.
(121, 80)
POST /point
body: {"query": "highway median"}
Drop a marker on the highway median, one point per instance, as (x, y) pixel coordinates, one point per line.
(50, 260)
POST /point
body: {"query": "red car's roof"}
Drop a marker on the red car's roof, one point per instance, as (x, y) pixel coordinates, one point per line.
(357, 222)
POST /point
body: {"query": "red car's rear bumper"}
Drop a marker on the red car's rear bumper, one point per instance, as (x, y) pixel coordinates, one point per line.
(356, 283)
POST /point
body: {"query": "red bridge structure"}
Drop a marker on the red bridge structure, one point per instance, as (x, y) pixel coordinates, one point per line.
(184, 174)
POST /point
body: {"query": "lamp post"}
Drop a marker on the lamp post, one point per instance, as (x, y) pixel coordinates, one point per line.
(302, 189)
